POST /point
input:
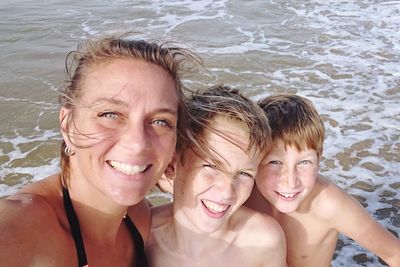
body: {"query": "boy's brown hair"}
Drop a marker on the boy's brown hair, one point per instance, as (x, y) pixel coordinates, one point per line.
(205, 106)
(295, 120)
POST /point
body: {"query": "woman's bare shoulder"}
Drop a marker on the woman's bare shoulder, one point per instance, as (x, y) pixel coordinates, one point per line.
(29, 227)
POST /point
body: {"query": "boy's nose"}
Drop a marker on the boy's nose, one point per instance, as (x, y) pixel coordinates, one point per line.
(291, 179)
(225, 184)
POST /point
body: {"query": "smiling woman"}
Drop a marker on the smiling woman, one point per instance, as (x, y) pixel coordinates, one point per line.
(119, 125)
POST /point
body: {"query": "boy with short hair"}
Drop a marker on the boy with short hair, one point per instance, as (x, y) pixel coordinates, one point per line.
(206, 225)
(311, 209)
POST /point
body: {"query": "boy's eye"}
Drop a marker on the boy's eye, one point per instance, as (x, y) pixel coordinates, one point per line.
(246, 174)
(305, 162)
(109, 114)
(208, 165)
(275, 162)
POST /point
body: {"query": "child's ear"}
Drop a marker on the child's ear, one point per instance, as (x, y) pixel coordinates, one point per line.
(166, 181)
(170, 170)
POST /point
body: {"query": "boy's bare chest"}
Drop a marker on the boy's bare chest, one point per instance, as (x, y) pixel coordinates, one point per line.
(232, 257)
(309, 242)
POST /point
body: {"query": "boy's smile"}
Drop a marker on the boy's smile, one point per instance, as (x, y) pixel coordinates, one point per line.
(286, 176)
(287, 196)
(208, 195)
(214, 209)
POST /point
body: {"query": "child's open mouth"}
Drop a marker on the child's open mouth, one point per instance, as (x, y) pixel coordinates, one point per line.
(214, 209)
(287, 196)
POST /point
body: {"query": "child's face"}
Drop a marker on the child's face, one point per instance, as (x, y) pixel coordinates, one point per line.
(287, 176)
(205, 196)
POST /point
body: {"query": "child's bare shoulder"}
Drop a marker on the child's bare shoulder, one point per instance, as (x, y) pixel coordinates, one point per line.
(258, 226)
(327, 199)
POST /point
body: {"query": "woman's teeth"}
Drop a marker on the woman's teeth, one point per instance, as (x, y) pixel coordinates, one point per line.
(126, 168)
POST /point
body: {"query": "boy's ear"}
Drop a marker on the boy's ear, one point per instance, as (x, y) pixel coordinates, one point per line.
(170, 170)
(166, 181)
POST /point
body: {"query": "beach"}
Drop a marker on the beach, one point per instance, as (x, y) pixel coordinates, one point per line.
(344, 56)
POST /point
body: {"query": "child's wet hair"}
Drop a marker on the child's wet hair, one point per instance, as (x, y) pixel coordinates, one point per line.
(204, 106)
(295, 121)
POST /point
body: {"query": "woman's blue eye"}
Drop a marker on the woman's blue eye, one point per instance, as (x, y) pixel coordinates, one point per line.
(111, 115)
(161, 123)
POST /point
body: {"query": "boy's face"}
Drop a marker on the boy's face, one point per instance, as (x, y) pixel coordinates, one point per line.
(287, 176)
(205, 196)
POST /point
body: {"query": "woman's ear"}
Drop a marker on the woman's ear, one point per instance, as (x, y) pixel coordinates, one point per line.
(63, 117)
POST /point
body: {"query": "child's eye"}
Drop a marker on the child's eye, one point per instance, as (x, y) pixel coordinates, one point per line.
(246, 174)
(109, 114)
(305, 162)
(208, 165)
(275, 162)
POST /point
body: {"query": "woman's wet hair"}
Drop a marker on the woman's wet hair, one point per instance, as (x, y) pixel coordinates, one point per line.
(175, 60)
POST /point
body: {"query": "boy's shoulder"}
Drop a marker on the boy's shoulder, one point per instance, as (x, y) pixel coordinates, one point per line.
(270, 248)
(326, 199)
(258, 226)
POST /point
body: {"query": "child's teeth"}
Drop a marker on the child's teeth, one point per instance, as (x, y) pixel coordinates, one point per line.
(126, 168)
(214, 207)
(287, 195)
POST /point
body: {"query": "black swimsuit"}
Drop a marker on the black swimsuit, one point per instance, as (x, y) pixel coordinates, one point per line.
(141, 260)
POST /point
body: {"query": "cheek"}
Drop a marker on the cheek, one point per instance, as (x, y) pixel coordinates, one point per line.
(246, 188)
(267, 177)
(90, 134)
(166, 144)
(308, 176)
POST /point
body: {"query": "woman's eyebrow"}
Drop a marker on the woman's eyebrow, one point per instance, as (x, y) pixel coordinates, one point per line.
(167, 110)
(120, 102)
(110, 100)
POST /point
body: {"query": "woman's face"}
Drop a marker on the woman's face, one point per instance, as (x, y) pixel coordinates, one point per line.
(123, 130)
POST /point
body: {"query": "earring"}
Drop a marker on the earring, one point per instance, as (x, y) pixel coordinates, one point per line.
(68, 151)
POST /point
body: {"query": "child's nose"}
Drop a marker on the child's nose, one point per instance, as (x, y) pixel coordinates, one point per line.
(291, 178)
(225, 185)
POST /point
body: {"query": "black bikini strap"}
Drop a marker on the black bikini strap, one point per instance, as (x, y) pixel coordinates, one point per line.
(75, 229)
(141, 260)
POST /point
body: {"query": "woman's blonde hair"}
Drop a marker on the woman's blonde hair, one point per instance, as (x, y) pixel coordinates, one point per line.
(174, 60)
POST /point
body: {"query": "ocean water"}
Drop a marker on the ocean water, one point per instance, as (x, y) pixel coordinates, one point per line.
(343, 55)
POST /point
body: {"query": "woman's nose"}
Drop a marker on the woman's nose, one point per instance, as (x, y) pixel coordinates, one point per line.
(135, 137)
